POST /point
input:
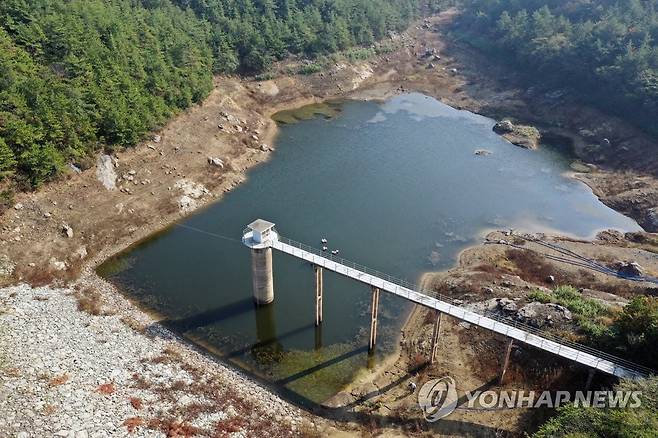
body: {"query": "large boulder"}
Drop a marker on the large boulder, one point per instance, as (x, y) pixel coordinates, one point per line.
(105, 172)
(543, 314)
(503, 127)
(217, 162)
(652, 220)
(520, 135)
(629, 269)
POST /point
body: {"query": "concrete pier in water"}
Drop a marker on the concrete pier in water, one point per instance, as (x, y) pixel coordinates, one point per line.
(258, 237)
(262, 276)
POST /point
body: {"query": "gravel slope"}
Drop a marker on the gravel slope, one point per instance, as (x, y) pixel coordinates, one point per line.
(65, 372)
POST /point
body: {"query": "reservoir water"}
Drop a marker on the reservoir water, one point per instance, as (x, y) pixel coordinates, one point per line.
(395, 186)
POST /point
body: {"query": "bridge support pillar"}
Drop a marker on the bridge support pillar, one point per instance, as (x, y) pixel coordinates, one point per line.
(508, 351)
(590, 378)
(373, 319)
(262, 277)
(435, 335)
(319, 287)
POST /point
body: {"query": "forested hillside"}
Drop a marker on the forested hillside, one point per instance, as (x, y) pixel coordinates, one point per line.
(79, 75)
(607, 50)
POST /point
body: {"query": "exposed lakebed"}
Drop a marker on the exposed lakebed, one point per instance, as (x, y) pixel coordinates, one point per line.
(395, 186)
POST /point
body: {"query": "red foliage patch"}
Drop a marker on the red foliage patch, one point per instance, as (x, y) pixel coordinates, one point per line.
(106, 388)
(136, 403)
(133, 423)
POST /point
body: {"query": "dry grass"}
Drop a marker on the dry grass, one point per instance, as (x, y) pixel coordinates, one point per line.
(136, 403)
(168, 355)
(533, 268)
(173, 428)
(134, 324)
(91, 302)
(12, 372)
(133, 423)
(227, 427)
(58, 380)
(211, 394)
(37, 277)
(106, 388)
(141, 382)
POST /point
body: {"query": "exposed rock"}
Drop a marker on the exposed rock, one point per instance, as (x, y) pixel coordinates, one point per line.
(216, 162)
(58, 264)
(6, 266)
(191, 193)
(631, 269)
(610, 236)
(520, 135)
(186, 203)
(503, 127)
(67, 231)
(74, 168)
(62, 356)
(18, 206)
(507, 305)
(157, 139)
(652, 220)
(81, 252)
(543, 314)
(105, 172)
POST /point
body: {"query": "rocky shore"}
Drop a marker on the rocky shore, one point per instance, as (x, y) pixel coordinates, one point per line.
(65, 372)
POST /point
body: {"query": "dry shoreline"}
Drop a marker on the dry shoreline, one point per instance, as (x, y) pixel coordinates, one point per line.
(104, 235)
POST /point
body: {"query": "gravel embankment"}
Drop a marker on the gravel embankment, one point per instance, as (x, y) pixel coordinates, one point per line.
(65, 372)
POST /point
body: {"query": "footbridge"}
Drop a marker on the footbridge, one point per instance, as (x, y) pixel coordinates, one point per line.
(261, 237)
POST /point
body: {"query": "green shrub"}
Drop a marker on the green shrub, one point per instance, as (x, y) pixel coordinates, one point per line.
(309, 69)
(628, 422)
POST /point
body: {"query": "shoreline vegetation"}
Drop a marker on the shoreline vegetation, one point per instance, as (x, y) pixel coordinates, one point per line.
(102, 235)
(83, 76)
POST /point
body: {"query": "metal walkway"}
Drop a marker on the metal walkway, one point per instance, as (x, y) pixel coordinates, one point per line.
(512, 329)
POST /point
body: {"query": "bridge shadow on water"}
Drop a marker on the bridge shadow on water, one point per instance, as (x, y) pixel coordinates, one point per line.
(177, 328)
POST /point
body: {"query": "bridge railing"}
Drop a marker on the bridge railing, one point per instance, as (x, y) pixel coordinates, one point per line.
(600, 355)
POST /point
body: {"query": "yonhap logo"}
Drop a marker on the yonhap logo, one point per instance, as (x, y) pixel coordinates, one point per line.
(438, 398)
